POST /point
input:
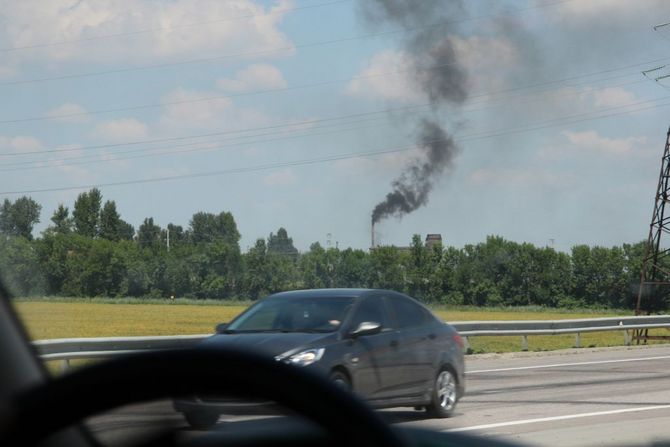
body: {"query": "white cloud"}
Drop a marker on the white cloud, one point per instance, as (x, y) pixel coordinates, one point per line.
(174, 33)
(124, 129)
(387, 76)
(612, 97)
(7, 70)
(254, 77)
(592, 141)
(64, 113)
(575, 145)
(596, 8)
(206, 114)
(202, 114)
(73, 172)
(506, 177)
(280, 178)
(20, 144)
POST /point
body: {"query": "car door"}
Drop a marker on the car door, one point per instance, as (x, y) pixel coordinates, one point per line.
(415, 346)
(371, 356)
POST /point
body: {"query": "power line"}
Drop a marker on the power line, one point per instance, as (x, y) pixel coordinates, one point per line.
(291, 127)
(227, 132)
(275, 50)
(213, 173)
(320, 160)
(209, 148)
(190, 144)
(212, 145)
(313, 85)
(570, 120)
(218, 97)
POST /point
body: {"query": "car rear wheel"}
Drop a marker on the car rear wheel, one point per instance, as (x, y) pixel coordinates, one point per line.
(201, 420)
(444, 397)
(340, 380)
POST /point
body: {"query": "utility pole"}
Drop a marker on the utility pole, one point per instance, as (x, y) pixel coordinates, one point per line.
(168, 239)
(654, 274)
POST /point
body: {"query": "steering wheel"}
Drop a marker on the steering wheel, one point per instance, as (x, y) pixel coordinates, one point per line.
(48, 408)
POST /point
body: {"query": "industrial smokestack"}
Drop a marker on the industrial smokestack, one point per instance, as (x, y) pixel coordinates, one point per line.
(372, 243)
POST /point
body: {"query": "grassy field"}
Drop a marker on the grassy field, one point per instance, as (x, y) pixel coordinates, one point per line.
(64, 318)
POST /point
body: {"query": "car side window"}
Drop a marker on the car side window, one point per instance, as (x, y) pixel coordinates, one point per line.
(407, 313)
(372, 308)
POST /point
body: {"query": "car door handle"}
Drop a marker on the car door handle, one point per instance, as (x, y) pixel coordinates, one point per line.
(394, 343)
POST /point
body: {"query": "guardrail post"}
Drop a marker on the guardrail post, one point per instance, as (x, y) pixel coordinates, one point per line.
(578, 340)
(626, 338)
(64, 365)
(524, 343)
(466, 345)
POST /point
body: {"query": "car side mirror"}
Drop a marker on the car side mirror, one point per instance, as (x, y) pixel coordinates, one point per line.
(366, 328)
(220, 328)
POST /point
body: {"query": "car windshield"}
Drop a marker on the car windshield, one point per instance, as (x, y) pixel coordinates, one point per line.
(484, 179)
(319, 314)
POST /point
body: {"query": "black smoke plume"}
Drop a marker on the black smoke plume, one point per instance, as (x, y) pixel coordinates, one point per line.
(411, 189)
(438, 73)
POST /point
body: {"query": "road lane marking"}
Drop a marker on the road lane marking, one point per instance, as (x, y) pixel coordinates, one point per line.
(558, 418)
(558, 365)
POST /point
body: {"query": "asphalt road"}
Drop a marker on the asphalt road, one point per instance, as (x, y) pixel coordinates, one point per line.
(569, 398)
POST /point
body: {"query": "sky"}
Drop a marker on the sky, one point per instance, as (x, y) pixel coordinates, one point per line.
(302, 114)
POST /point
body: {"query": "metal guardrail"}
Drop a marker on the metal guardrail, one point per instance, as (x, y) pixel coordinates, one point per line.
(87, 348)
(524, 328)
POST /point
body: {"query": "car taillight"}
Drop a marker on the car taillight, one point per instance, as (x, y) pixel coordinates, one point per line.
(458, 339)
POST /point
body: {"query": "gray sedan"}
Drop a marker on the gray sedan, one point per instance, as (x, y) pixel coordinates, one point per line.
(382, 345)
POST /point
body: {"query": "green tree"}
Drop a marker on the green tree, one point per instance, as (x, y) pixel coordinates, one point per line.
(20, 270)
(315, 268)
(94, 268)
(176, 234)
(62, 222)
(388, 268)
(282, 245)
(19, 218)
(418, 269)
(6, 224)
(148, 235)
(352, 268)
(267, 272)
(208, 227)
(126, 231)
(110, 222)
(87, 213)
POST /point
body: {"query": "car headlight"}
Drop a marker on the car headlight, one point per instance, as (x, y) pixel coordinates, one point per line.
(304, 358)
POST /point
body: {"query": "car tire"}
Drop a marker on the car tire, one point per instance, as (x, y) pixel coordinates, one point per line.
(201, 420)
(443, 396)
(341, 380)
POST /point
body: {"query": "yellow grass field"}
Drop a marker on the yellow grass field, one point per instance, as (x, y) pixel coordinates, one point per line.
(63, 319)
(60, 319)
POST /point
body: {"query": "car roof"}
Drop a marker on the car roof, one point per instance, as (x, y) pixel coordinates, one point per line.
(323, 293)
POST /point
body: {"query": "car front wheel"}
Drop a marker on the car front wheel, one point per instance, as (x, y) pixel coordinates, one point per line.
(443, 400)
(201, 420)
(340, 380)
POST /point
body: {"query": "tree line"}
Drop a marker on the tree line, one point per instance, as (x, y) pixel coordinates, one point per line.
(92, 251)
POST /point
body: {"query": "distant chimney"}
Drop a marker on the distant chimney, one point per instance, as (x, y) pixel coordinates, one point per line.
(432, 239)
(372, 243)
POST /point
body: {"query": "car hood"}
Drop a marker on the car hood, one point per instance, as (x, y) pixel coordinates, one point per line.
(271, 343)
